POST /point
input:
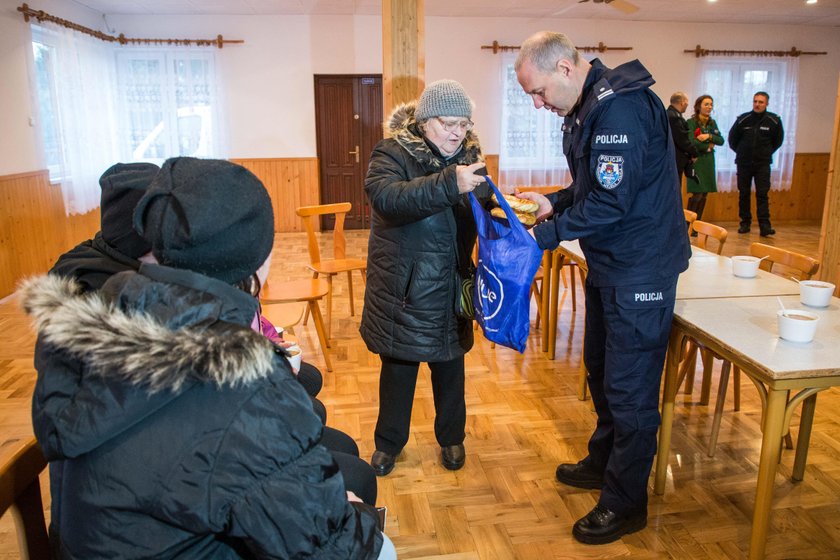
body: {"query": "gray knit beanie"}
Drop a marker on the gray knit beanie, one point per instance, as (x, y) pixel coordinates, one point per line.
(444, 98)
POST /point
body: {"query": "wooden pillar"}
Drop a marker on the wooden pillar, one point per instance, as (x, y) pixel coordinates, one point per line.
(403, 52)
(830, 233)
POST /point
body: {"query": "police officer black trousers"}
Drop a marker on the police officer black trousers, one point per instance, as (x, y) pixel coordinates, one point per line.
(626, 338)
(397, 381)
(761, 173)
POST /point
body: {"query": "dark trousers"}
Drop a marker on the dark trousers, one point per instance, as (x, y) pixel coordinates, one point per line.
(358, 475)
(696, 203)
(624, 352)
(397, 381)
(761, 174)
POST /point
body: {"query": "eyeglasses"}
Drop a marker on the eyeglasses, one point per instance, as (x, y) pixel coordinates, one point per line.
(452, 126)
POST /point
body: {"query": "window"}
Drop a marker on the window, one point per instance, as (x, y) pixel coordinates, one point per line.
(168, 101)
(732, 82)
(118, 104)
(531, 151)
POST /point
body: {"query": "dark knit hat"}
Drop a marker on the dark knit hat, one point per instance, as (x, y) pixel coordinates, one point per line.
(123, 185)
(444, 98)
(209, 216)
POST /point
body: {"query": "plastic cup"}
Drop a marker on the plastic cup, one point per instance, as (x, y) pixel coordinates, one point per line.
(814, 293)
(796, 325)
(745, 266)
(295, 357)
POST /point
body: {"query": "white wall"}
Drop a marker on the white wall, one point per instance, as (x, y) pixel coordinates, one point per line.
(19, 145)
(269, 80)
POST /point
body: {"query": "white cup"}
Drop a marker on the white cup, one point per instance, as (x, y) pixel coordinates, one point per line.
(796, 325)
(295, 357)
(814, 293)
(745, 266)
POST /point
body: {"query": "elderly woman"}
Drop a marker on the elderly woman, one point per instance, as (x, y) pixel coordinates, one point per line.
(704, 135)
(421, 241)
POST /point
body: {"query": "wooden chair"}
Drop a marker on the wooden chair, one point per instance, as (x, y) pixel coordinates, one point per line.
(803, 267)
(705, 231)
(690, 217)
(339, 263)
(20, 492)
(309, 292)
(285, 315)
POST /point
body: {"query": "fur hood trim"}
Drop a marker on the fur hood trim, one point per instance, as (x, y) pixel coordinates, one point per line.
(399, 127)
(138, 348)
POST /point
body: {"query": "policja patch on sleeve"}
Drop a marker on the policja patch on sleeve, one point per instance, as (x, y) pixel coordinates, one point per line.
(610, 171)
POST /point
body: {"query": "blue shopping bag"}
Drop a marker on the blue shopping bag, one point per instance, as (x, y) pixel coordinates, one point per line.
(508, 259)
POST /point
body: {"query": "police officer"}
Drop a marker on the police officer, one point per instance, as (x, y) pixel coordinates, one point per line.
(755, 136)
(624, 205)
(686, 153)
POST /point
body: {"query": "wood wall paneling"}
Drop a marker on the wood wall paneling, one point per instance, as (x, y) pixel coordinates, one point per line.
(34, 227)
(291, 182)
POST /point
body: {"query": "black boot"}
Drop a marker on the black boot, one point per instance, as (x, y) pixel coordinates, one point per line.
(579, 475)
(602, 526)
(382, 463)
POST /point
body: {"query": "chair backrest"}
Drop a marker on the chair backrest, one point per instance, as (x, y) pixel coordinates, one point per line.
(705, 230)
(803, 266)
(690, 217)
(311, 214)
(20, 492)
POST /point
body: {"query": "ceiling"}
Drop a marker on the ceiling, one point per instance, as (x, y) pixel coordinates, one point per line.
(792, 12)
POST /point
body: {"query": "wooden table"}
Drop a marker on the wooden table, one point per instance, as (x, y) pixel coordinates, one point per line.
(744, 331)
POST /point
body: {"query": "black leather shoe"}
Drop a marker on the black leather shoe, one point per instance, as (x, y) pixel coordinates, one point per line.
(602, 526)
(382, 463)
(453, 456)
(767, 232)
(579, 475)
(744, 229)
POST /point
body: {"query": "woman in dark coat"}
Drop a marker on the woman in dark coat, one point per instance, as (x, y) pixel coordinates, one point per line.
(704, 135)
(172, 428)
(421, 241)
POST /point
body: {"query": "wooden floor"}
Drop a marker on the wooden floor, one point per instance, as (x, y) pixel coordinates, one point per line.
(523, 419)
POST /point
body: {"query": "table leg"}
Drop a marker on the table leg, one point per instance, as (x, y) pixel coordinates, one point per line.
(771, 443)
(546, 294)
(318, 319)
(672, 362)
(803, 440)
(556, 267)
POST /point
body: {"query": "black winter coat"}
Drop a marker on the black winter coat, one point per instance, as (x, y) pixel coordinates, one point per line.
(92, 262)
(684, 150)
(421, 240)
(175, 431)
(755, 137)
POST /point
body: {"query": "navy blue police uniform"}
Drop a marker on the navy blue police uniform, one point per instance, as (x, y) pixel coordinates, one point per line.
(624, 206)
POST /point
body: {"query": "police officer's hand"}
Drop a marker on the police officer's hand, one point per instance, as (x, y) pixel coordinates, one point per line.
(467, 179)
(545, 208)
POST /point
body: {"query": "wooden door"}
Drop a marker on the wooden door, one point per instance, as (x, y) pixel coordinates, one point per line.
(348, 115)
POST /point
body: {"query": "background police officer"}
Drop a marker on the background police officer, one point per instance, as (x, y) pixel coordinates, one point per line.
(685, 152)
(624, 205)
(755, 136)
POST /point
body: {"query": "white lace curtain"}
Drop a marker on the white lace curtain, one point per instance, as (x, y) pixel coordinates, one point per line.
(732, 81)
(101, 104)
(82, 105)
(531, 141)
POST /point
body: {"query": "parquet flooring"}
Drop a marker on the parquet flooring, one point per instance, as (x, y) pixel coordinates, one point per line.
(523, 419)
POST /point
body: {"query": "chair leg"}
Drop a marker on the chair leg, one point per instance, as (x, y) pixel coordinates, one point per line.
(329, 306)
(721, 398)
(350, 288)
(736, 381)
(572, 282)
(690, 363)
(535, 291)
(707, 358)
(318, 319)
(306, 311)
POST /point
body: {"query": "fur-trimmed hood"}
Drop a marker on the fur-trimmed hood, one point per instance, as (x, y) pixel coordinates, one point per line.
(137, 347)
(402, 126)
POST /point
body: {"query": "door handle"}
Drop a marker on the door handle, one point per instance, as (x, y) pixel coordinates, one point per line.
(355, 153)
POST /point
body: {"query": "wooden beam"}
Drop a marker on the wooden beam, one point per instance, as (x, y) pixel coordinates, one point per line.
(403, 52)
(829, 252)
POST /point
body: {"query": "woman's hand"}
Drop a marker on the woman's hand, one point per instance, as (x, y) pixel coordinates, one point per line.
(467, 179)
(704, 137)
(351, 497)
(545, 208)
